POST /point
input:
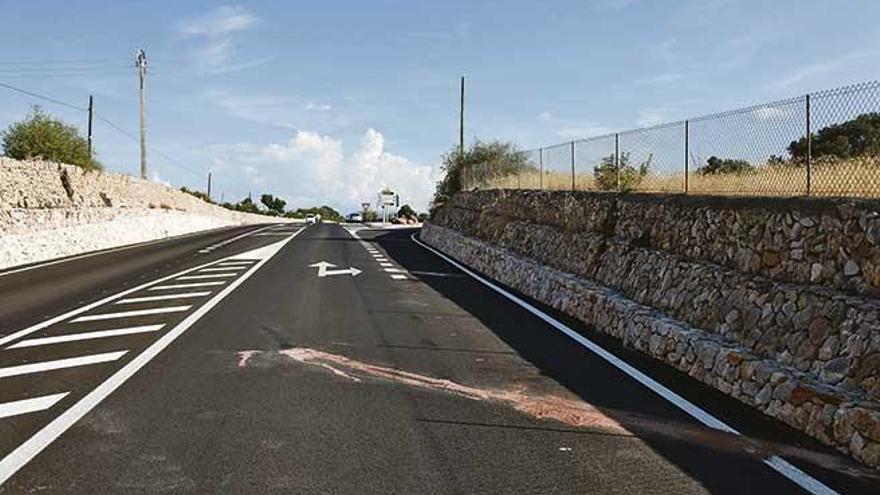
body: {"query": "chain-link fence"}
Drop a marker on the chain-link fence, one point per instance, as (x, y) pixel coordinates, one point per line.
(820, 144)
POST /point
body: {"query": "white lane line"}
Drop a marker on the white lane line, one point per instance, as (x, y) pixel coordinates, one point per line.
(74, 337)
(82, 309)
(397, 276)
(235, 263)
(16, 459)
(227, 241)
(25, 406)
(163, 297)
(187, 286)
(386, 264)
(222, 269)
(393, 270)
(128, 314)
(202, 277)
(110, 250)
(777, 463)
(24, 369)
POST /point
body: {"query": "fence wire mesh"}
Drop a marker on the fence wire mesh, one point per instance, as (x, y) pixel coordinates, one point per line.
(820, 144)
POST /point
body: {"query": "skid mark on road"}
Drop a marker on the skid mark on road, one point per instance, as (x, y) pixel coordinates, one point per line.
(572, 412)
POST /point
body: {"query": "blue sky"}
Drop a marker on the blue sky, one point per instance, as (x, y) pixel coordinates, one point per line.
(326, 102)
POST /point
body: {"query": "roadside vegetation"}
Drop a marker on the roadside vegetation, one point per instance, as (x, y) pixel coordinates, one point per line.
(845, 162)
(43, 136)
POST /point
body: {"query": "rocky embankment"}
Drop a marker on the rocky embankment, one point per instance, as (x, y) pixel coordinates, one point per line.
(50, 210)
(775, 302)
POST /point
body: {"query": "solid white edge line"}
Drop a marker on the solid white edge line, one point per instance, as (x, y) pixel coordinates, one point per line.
(82, 309)
(163, 297)
(75, 337)
(58, 364)
(25, 406)
(137, 312)
(778, 464)
(16, 459)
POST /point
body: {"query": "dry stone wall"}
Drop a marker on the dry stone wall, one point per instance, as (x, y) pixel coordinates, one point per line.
(49, 210)
(722, 289)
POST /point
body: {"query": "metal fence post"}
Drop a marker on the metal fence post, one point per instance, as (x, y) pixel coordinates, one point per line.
(686, 153)
(617, 160)
(809, 148)
(572, 166)
(541, 168)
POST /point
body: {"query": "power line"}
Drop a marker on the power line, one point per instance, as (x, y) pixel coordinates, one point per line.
(42, 97)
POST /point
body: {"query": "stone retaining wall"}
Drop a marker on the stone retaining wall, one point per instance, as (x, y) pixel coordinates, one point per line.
(804, 351)
(50, 210)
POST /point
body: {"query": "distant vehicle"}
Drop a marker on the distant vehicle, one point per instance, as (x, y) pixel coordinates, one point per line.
(355, 217)
(310, 219)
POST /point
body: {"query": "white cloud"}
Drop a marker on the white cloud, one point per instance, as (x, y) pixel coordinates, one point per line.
(651, 116)
(214, 33)
(667, 77)
(317, 107)
(219, 22)
(572, 128)
(768, 113)
(312, 169)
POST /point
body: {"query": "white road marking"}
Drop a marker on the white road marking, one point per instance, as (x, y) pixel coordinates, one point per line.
(227, 241)
(385, 264)
(777, 463)
(163, 297)
(25, 406)
(16, 459)
(222, 268)
(74, 337)
(397, 276)
(24, 369)
(187, 286)
(235, 264)
(128, 314)
(107, 251)
(323, 271)
(393, 270)
(201, 277)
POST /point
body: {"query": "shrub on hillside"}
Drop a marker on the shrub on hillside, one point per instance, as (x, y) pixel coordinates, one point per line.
(715, 165)
(857, 137)
(499, 159)
(41, 135)
(606, 173)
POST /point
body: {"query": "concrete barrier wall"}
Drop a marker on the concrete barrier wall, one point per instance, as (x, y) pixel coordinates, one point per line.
(50, 210)
(723, 289)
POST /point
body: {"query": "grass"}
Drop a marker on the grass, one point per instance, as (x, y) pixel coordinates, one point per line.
(858, 177)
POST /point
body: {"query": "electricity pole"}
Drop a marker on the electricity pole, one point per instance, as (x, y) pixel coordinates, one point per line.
(461, 120)
(209, 185)
(141, 60)
(91, 117)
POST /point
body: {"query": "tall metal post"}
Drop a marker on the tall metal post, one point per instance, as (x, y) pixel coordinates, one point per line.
(141, 59)
(687, 138)
(809, 148)
(461, 119)
(91, 118)
(617, 159)
(209, 185)
(541, 168)
(572, 166)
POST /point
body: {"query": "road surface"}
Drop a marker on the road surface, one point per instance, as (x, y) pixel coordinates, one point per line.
(327, 359)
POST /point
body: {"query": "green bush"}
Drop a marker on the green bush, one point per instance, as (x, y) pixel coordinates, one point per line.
(501, 159)
(715, 165)
(606, 173)
(41, 135)
(856, 137)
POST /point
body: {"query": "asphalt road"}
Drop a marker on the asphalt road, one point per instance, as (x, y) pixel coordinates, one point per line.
(235, 362)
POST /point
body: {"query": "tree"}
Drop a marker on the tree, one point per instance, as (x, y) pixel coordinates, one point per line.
(273, 204)
(198, 194)
(247, 205)
(407, 212)
(715, 165)
(41, 135)
(606, 173)
(500, 159)
(856, 137)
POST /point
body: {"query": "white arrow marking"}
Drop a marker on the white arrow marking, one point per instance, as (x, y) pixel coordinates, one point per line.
(323, 271)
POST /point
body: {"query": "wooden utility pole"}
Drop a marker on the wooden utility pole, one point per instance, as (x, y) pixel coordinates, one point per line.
(91, 118)
(461, 119)
(141, 59)
(209, 185)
